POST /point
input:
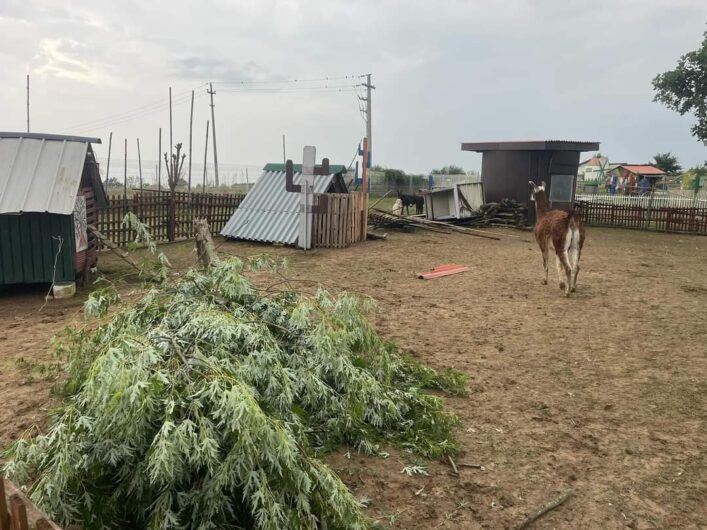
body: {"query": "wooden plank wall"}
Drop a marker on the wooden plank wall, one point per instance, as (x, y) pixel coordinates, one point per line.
(344, 222)
(661, 219)
(152, 208)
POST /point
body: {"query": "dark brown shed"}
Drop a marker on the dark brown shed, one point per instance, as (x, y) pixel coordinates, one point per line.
(506, 168)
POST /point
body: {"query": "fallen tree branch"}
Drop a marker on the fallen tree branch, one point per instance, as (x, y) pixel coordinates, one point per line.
(475, 466)
(113, 247)
(544, 509)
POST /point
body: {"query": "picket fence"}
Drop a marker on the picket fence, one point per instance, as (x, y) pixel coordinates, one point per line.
(645, 201)
(152, 208)
(342, 221)
(645, 216)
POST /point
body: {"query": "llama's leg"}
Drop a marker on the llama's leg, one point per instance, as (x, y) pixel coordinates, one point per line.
(544, 248)
(560, 271)
(567, 270)
(575, 251)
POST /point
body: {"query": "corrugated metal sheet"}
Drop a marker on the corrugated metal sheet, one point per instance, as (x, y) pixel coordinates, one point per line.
(269, 213)
(40, 174)
(455, 202)
(473, 193)
(29, 244)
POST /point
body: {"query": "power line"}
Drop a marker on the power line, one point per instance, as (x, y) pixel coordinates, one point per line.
(286, 81)
(98, 124)
(291, 89)
(135, 112)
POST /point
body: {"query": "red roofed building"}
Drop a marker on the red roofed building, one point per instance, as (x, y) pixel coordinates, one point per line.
(630, 176)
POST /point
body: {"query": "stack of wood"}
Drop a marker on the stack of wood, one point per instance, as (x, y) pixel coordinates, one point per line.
(382, 219)
(505, 212)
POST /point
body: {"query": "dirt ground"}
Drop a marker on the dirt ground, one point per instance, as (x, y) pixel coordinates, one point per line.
(604, 394)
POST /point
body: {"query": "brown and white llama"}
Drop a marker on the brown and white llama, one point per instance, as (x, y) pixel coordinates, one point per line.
(565, 231)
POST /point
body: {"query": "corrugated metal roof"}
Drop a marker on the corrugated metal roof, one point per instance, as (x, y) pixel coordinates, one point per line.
(642, 169)
(41, 173)
(269, 213)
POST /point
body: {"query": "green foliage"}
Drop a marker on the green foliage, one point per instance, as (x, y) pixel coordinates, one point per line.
(206, 404)
(668, 163)
(694, 178)
(154, 269)
(684, 89)
(449, 170)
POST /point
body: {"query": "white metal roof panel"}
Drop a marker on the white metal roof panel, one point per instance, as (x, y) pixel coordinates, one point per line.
(40, 174)
(270, 213)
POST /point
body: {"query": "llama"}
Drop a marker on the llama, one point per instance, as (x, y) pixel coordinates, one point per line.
(566, 232)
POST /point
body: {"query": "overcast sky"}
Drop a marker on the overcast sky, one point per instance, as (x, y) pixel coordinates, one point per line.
(446, 71)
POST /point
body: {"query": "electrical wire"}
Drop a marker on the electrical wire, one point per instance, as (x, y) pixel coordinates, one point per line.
(136, 112)
(286, 81)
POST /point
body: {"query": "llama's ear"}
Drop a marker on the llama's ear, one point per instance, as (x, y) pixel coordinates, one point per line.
(544, 186)
(532, 184)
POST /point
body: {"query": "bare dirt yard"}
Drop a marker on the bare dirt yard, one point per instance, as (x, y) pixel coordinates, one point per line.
(604, 394)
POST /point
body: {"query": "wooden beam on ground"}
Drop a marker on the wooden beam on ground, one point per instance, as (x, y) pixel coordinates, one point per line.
(114, 248)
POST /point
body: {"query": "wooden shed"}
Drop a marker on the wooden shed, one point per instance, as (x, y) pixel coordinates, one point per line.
(50, 189)
(506, 168)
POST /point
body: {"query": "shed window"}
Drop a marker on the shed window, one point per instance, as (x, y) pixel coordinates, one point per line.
(561, 188)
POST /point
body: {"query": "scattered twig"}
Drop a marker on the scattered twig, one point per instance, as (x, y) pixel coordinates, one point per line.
(475, 466)
(454, 466)
(544, 509)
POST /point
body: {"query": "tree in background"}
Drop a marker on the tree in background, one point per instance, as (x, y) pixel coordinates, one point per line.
(451, 169)
(668, 163)
(694, 178)
(684, 89)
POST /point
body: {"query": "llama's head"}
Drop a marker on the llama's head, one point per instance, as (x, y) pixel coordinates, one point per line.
(537, 190)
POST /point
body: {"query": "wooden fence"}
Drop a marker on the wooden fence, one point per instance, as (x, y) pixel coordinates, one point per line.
(18, 513)
(646, 201)
(343, 221)
(152, 208)
(692, 220)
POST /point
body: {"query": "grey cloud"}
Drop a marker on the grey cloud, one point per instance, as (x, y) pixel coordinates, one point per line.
(207, 68)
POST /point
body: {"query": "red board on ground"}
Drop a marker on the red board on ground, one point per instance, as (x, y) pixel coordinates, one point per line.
(442, 270)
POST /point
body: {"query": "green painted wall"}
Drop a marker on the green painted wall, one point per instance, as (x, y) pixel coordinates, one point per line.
(28, 248)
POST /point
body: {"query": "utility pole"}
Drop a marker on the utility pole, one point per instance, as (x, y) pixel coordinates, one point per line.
(191, 121)
(367, 99)
(170, 123)
(159, 164)
(213, 129)
(27, 102)
(206, 149)
(110, 144)
(125, 171)
(139, 162)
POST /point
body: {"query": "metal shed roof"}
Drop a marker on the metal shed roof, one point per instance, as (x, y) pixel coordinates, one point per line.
(41, 172)
(269, 213)
(532, 145)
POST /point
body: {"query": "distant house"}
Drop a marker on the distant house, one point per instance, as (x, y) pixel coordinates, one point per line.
(592, 169)
(50, 189)
(628, 178)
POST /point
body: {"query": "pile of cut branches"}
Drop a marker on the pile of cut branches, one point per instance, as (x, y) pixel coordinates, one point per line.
(208, 403)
